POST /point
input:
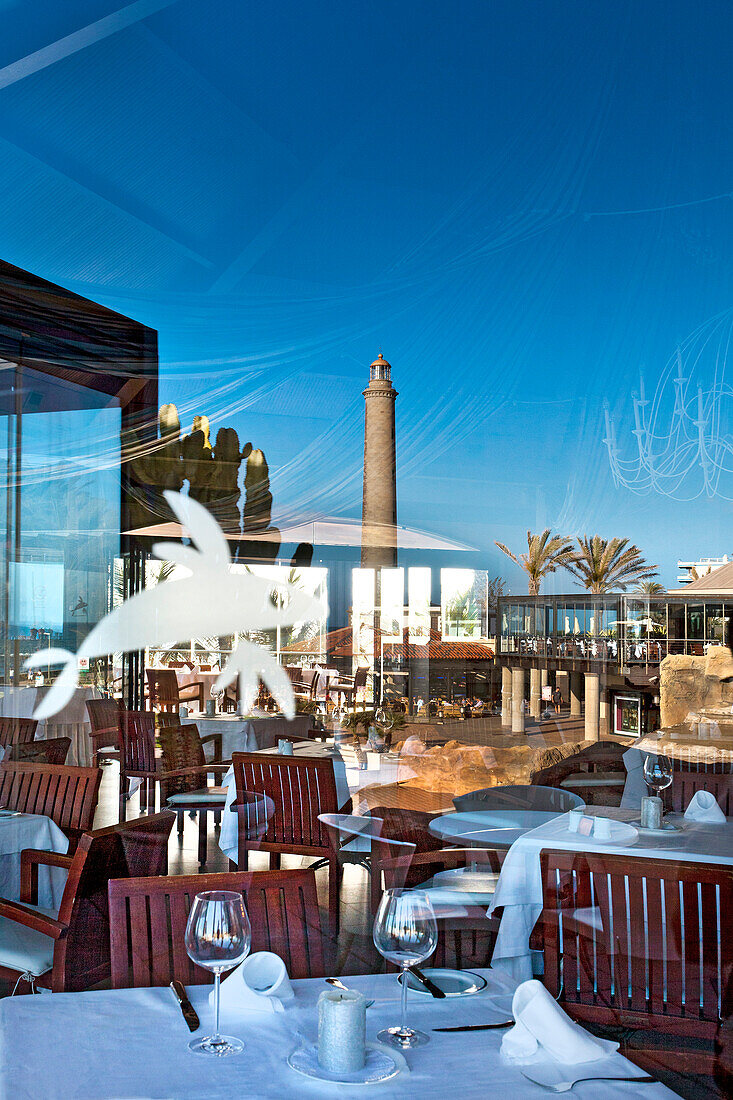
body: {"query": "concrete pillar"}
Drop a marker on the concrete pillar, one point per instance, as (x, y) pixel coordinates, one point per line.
(506, 695)
(592, 705)
(576, 687)
(605, 714)
(544, 678)
(562, 680)
(517, 700)
(535, 694)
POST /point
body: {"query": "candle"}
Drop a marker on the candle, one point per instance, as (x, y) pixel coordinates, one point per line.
(651, 813)
(285, 747)
(341, 1030)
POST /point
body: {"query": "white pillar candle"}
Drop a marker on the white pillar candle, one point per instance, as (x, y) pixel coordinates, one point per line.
(341, 1030)
(651, 813)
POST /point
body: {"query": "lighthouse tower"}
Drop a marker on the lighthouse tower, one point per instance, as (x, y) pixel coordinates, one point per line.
(379, 505)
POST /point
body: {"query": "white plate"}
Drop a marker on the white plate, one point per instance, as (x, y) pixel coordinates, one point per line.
(380, 1064)
(667, 830)
(454, 983)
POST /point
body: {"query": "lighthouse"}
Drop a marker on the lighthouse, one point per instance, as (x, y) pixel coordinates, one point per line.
(379, 502)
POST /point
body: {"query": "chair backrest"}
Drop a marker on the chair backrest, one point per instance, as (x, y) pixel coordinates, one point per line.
(603, 756)
(691, 764)
(53, 750)
(181, 748)
(360, 679)
(148, 920)
(301, 788)
(162, 686)
(137, 740)
(685, 784)
(638, 942)
(13, 731)
(129, 849)
(66, 794)
(104, 718)
(523, 796)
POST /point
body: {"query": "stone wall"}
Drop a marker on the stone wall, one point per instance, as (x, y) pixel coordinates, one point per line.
(696, 684)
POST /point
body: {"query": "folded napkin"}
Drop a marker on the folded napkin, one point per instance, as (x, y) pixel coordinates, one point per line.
(259, 984)
(543, 1029)
(704, 807)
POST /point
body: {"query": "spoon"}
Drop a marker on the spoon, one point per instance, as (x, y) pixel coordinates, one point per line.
(340, 985)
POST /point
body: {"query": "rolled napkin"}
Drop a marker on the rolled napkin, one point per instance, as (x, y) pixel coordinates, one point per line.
(704, 807)
(259, 984)
(543, 1029)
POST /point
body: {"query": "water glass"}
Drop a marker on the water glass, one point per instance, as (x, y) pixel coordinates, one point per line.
(218, 936)
(406, 933)
(657, 773)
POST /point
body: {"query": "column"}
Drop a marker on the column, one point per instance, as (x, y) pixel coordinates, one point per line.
(576, 687)
(592, 705)
(562, 680)
(535, 693)
(605, 714)
(517, 700)
(506, 695)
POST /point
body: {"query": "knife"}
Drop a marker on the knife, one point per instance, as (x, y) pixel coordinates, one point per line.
(424, 980)
(476, 1027)
(189, 1012)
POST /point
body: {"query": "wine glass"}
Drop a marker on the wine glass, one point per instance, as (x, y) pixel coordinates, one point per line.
(658, 773)
(217, 937)
(405, 932)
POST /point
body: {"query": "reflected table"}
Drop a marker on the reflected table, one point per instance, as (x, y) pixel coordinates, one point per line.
(21, 831)
(488, 828)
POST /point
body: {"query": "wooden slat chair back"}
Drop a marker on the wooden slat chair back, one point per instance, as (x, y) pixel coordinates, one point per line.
(148, 920)
(104, 718)
(52, 750)
(14, 731)
(636, 942)
(137, 757)
(67, 795)
(184, 777)
(604, 766)
(301, 788)
(689, 764)
(166, 694)
(686, 783)
(81, 955)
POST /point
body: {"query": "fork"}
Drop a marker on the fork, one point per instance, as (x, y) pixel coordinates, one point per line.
(565, 1086)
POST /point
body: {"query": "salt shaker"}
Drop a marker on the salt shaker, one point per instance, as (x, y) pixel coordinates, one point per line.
(341, 1030)
(651, 813)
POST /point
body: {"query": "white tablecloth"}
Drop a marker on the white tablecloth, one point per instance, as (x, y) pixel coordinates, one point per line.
(519, 889)
(72, 721)
(31, 831)
(350, 779)
(248, 734)
(132, 1043)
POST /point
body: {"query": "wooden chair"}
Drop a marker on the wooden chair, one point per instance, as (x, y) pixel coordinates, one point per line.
(15, 731)
(596, 773)
(53, 750)
(301, 788)
(69, 951)
(183, 778)
(638, 943)
(137, 758)
(65, 794)
(104, 718)
(164, 692)
(348, 686)
(148, 920)
(686, 783)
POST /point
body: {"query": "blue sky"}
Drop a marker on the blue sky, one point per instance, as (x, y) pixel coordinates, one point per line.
(523, 204)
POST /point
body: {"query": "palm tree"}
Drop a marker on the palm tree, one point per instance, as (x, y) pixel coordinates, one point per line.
(605, 565)
(651, 588)
(545, 553)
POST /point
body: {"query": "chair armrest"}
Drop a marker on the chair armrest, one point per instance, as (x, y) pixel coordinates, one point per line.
(30, 858)
(39, 922)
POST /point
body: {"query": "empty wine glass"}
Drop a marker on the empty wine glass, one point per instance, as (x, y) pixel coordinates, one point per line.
(657, 773)
(405, 932)
(218, 936)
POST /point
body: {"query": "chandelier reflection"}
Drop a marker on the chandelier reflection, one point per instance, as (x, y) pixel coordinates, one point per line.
(683, 436)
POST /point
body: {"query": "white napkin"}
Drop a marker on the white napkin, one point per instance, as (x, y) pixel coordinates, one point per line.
(259, 984)
(704, 807)
(543, 1029)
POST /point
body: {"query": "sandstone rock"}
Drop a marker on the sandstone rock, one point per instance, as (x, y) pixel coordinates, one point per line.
(685, 686)
(719, 663)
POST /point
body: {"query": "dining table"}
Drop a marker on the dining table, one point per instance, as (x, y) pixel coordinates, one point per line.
(71, 721)
(518, 892)
(248, 733)
(19, 831)
(488, 828)
(133, 1044)
(352, 773)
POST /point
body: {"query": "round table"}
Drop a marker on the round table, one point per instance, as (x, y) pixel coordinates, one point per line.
(488, 828)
